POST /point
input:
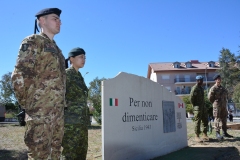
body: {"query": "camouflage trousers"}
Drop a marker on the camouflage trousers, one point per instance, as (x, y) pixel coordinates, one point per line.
(75, 141)
(43, 137)
(220, 115)
(200, 115)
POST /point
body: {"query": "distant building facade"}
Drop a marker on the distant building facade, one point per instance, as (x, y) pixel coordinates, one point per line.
(179, 77)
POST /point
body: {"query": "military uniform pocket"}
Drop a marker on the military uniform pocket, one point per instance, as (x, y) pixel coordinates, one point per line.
(34, 129)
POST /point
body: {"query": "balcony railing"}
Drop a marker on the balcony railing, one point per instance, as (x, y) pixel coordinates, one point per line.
(186, 91)
(182, 92)
(191, 79)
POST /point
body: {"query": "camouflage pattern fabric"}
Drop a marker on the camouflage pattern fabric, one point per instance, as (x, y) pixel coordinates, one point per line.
(218, 97)
(39, 80)
(199, 109)
(43, 135)
(75, 140)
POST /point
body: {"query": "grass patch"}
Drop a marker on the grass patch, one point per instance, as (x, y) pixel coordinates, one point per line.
(10, 115)
(12, 145)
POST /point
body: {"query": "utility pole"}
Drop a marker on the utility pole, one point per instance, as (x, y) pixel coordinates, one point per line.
(206, 79)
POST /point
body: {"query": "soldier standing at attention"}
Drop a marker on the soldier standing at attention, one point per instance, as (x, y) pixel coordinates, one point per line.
(200, 111)
(75, 140)
(39, 80)
(218, 97)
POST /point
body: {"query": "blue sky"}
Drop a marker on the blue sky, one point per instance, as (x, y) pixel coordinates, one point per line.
(127, 35)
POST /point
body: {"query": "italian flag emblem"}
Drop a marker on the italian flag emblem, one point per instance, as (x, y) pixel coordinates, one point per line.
(113, 102)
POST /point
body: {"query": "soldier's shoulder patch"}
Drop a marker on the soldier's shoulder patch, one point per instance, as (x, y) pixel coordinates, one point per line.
(24, 47)
(195, 93)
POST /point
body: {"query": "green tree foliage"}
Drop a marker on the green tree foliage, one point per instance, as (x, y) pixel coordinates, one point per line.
(208, 104)
(229, 70)
(11, 106)
(189, 107)
(6, 89)
(94, 95)
(236, 94)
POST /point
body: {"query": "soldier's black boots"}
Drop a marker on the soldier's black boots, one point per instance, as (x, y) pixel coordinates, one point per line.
(219, 137)
(225, 134)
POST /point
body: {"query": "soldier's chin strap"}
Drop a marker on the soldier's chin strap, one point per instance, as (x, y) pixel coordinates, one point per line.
(66, 63)
(35, 27)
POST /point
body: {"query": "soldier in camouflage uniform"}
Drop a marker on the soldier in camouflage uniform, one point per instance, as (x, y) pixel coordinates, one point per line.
(75, 140)
(218, 97)
(39, 82)
(200, 111)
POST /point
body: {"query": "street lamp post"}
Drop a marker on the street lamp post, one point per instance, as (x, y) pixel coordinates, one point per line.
(206, 79)
(85, 74)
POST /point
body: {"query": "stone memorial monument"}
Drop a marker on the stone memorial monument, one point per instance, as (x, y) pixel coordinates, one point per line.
(140, 119)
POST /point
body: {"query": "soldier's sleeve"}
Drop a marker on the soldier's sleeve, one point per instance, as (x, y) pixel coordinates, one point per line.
(193, 95)
(68, 89)
(211, 95)
(22, 76)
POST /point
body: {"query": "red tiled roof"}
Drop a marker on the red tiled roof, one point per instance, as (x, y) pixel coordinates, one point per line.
(164, 66)
(194, 61)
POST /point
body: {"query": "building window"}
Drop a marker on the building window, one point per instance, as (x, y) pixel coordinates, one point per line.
(183, 90)
(165, 76)
(178, 90)
(176, 65)
(177, 78)
(188, 89)
(188, 65)
(211, 64)
(187, 78)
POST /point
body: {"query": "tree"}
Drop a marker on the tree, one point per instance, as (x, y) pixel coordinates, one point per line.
(6, 89)
(229, 70)
(236, 93)
(189, 107)
(208, 104)
(94, 95)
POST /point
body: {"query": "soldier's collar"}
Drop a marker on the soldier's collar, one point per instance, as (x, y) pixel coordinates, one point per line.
(45, 36)
(218, 85)
(72, 68)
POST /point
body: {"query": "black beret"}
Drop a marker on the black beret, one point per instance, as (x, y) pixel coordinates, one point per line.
(216, 76)
(75, 52)
(47, 11)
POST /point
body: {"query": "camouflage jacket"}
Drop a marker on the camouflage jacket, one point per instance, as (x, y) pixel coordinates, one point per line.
(39, 77)
(197, 96)
(76, 98)
(218, 95)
